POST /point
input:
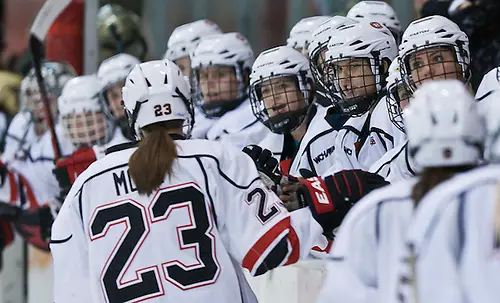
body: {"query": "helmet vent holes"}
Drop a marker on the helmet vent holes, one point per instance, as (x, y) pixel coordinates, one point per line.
(362, 47)
(224, 52)
(147, 82)
(356, 42)
(291, 66)
(284, 62)
(441, 31)
(447, 153)
(132, 81)
(166, 79)
(230, 56)
(448, 36)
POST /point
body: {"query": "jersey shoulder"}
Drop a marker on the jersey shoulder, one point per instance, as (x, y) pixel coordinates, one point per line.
(397, 192)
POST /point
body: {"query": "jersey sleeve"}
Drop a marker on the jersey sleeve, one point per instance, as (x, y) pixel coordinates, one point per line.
(70, 255)
(352, 270)
(259, 232)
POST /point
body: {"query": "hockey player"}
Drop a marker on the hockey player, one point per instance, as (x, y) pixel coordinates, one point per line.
(489, 84)
(378, 11)
(29, 125)
(112, 73)
(203, 199)
(282, 92)
(445, 133)
(316, 51)
(453, 243)
(355, 72)
(301, 33)
(184, 40)
(221, 67)
(433, 48)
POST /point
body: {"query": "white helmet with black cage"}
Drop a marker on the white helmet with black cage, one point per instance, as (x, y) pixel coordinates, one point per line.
(81, 112)
(156, 91)
(281, 88)
(398, 95)
(421, 38)
(351, 49)
(113, 72)
(301, 33)
(444, 126)
(377, 11)
(217, 55)
(186, 37)
(318, 46)
(56, 75)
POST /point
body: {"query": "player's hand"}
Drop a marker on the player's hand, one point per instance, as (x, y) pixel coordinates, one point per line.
(68, 168)
(266, 164)
(332, 197)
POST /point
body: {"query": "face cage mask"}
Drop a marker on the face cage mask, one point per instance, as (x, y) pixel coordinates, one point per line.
(87, 129)
(394, 108)
(359, 96)
(187, 125)
(217, 108)
(106, 105)
(34, 106)
(436, 70)
(287, 118)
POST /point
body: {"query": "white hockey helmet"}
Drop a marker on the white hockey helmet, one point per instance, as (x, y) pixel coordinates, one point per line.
(444, 126)
(319, 41)
(113, 71)
(377, 11)
(156, 91)
(396, 93)
(301, 33)
(186, 37)
(429, 32)
(281, 76)
(55, 75)
(363, 40)
(229, 50)
(489, 83)
(489, 107)
(82, 114)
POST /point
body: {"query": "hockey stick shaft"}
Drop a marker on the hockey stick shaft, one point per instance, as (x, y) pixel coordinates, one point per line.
(45, 18)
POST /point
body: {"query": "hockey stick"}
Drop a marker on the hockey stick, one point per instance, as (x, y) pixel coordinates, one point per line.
(46, 16)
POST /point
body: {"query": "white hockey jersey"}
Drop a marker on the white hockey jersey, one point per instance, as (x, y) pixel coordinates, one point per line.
(317, 147)
(20, 135)
(201, 124)
(111, 244)
(238, 127)
(363, 140)
(452, 247)
(396, 164)
(364, 259)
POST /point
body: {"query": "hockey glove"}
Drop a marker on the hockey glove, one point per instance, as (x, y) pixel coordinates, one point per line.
(68, 168)
(332, 197)
(267, 165)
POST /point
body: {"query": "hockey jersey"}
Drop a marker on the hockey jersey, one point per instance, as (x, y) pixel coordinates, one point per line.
(363, 140)
(238, 127)
(184, 243)
(20, 135)
(364, 259)
(452, 245)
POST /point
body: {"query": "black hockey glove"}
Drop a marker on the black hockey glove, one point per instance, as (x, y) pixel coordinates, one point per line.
(267, 165)
(332, 197)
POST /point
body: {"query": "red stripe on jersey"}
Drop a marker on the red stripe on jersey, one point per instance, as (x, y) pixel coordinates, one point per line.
(7, 232)
(326, 249)
(267, 239)
(29, 194)
(294, 242)
(13, 188)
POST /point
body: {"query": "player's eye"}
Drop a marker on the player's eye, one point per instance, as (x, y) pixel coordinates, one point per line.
(438, 58)
(416, 64)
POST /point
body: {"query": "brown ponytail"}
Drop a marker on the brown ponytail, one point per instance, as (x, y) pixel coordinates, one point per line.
(154, 157)
(431, 177)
